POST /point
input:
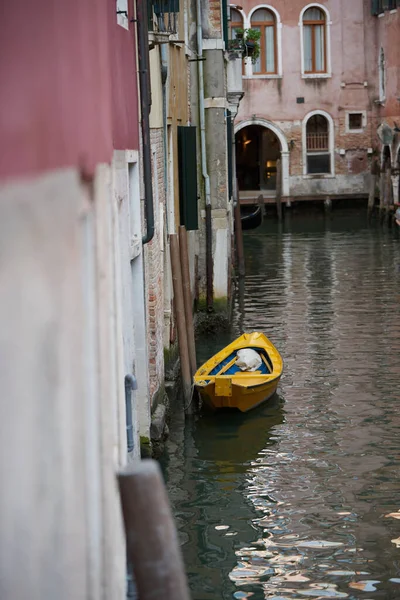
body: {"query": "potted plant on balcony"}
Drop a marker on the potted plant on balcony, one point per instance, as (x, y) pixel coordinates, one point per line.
(252, 43)
(236, 45)
(239, 33)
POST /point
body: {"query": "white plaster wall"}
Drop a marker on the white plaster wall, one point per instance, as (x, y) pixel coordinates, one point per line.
(62, 420)
(338, 184)
(221, 255)
(126, 198)
(43, 510)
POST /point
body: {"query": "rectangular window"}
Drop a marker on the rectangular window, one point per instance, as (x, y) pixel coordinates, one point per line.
(318, 164)
(319, 48)
(308, 58)
(355, 121)
(314, 48)
(122, 13)
(270, 49)
(257, 63)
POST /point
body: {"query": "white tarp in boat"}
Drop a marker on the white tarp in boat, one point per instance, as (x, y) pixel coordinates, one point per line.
(248, 360)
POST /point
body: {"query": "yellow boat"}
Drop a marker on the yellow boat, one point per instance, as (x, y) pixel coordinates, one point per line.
(222, 384)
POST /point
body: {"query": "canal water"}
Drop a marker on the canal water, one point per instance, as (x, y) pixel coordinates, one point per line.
(300, 498)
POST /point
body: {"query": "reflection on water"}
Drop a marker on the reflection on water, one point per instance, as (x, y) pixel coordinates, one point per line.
(297, 499)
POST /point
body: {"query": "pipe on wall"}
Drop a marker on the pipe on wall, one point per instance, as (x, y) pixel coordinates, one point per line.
(130, 386)
(164, 77)
(209, 259)
(145, 104)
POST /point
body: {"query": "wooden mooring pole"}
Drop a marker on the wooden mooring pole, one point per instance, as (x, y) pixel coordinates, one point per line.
(239, 240)
(372, 188)
(151, 538)
(181, 322)
(381, 193)
(389, 193)
(279, 189)
(187, 297)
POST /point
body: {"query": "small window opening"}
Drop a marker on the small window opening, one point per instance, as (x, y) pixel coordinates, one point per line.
(122, 13)
(355, 121)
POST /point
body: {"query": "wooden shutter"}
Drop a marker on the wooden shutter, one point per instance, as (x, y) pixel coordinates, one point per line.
(229, 149)
(187, 158)
(375, 7)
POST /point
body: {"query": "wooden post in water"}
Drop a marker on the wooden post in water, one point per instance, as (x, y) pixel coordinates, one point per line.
(279, 189)
(151, 538)
(389, 193)
(187, 297)
(239, 241)
(181, 322)
(239, 234)
(381, 193)
(372, 187)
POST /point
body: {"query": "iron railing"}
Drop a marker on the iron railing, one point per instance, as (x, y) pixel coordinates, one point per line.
(163, 16)
(317, 142)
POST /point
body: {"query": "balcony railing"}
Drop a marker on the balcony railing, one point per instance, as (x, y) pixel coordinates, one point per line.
(317, 142)
(163, 16)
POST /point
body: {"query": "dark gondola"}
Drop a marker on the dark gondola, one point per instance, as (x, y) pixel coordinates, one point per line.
(251, 216)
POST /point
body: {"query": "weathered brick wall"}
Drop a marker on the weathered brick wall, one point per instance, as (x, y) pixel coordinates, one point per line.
(154, 269)
(215, 15)
(354, 162)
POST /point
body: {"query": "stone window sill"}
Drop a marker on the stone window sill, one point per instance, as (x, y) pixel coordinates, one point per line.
(319, 176)
(262, 76)
(316, 76)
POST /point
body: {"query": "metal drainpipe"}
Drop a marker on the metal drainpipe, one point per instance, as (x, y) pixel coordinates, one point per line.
(130, 386)
(209, 260)
(164, 76)
(145, 104)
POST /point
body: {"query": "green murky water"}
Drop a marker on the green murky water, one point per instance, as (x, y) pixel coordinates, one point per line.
(292, 500)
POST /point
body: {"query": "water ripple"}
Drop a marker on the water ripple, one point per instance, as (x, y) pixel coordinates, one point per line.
(309, 485)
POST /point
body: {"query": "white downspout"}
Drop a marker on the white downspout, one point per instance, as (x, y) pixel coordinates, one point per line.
(201, 104)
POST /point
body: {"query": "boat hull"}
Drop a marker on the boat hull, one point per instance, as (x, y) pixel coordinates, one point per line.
(243, 398)
(222, 384)
(253, 219)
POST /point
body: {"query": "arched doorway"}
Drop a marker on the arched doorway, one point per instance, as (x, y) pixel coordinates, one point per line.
(259, 145)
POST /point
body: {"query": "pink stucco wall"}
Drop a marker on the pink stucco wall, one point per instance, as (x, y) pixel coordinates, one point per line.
(68, 86)
(276, 98)
(124, 91)
(386, 34)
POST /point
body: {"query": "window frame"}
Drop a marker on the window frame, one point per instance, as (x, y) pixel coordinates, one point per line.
(122, 10)
(232, 27)
(363, 121)
(261, 25)
(278, 49)
(327, 43)
(331, 146)
(313, 24)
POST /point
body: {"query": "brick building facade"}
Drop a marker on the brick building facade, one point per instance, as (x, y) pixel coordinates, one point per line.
(312, 98)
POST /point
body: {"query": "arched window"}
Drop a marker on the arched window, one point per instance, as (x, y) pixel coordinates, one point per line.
(314, 41)
(318, 145)
(236, 22)
(264, 21)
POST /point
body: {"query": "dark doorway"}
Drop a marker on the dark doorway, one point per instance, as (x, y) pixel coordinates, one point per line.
(257, 152)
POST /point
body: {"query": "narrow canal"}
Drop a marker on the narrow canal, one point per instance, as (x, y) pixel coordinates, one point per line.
(299, 498)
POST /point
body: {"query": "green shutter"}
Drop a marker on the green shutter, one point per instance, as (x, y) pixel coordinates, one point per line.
(229, 148)
(187, 157)
(225, 21)
(375, 7)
